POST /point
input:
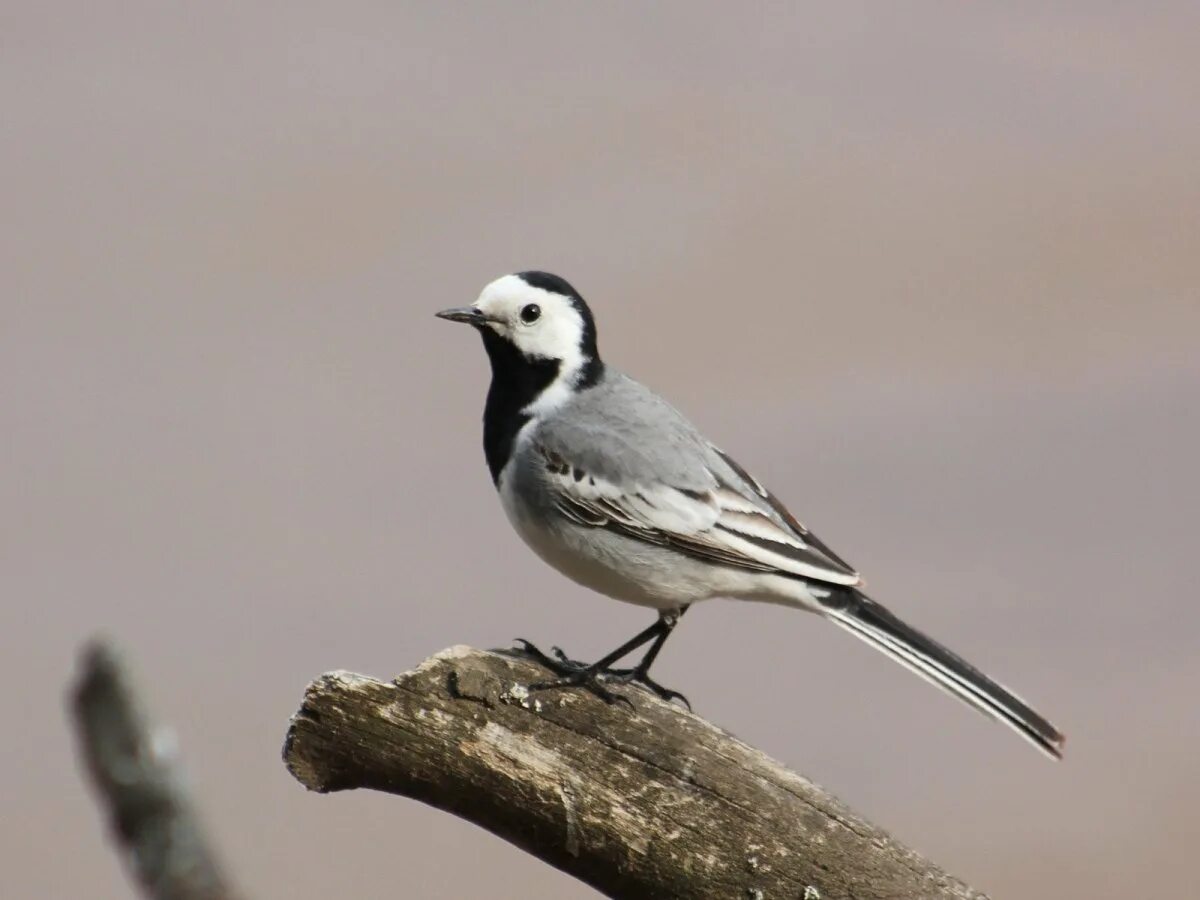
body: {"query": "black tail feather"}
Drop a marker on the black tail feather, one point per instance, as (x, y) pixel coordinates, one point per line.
(875, 624)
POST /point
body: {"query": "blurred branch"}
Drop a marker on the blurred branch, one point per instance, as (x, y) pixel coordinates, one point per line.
(137, 777)
(648, 801)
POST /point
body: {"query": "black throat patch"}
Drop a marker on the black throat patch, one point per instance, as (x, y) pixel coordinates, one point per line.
(516, 382)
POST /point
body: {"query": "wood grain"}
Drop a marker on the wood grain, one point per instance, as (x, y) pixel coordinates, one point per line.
(639, 800)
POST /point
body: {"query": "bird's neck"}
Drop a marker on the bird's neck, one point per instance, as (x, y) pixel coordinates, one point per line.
(524, 389)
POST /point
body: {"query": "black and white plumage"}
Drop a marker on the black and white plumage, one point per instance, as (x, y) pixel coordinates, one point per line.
(613, 487)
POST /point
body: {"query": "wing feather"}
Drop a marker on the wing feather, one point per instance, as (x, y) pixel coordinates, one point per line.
(743, 526)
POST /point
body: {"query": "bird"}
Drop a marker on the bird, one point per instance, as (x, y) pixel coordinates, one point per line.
(609, 484)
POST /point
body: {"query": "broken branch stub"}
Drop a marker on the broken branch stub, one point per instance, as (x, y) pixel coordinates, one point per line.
(141, 787)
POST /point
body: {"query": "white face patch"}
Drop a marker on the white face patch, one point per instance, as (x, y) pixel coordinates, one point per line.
(554, 332)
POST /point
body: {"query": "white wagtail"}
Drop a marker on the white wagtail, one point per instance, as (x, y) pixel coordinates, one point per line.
(613, 487)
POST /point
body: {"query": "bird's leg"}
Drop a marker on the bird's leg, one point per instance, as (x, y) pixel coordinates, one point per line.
(572, 673)
(640, 673)
(575, 674)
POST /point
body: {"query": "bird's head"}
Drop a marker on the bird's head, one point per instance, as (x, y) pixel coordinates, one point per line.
(535, 319)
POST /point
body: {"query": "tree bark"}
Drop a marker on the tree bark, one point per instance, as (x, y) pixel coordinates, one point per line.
(639, 801)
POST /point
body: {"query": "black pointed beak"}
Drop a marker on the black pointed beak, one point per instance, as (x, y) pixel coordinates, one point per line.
(468, 314)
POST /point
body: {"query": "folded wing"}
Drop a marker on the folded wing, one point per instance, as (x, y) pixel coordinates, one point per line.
(733, 521)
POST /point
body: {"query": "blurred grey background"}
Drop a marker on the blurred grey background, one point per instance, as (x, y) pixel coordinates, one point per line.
(931, 270)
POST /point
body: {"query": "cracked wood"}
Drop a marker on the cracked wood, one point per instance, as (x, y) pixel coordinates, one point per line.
(641, 802)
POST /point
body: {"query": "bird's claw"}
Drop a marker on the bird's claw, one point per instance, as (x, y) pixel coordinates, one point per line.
(558, 663)
(566, 660)
(637, 676)
(570, 674)
(586, 679)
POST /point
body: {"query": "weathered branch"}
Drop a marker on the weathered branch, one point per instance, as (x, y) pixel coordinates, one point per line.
(642, 801)
(133, 768)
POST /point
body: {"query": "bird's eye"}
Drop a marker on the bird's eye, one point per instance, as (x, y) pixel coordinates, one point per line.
(530, 313)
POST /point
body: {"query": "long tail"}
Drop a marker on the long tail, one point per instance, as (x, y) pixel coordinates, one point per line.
(859, 614)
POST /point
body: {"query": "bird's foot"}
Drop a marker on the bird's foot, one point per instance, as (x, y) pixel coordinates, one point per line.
(556, 661)
(640, 677)
(571, 673)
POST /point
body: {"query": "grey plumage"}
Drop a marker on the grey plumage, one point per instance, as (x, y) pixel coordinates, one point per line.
(645, 504)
